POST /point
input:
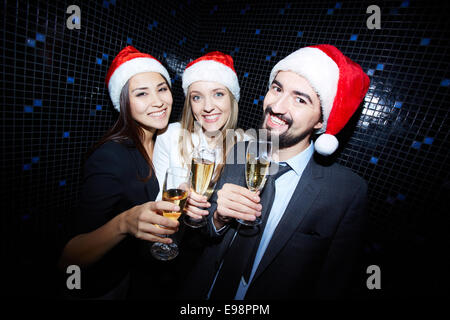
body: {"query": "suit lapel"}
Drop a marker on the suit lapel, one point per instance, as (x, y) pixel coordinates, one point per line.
(303, 197)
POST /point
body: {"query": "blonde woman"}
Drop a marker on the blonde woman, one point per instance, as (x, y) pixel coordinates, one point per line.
(210, 113)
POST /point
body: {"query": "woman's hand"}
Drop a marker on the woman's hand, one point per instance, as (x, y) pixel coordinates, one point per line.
(146, 222)
(195, 204)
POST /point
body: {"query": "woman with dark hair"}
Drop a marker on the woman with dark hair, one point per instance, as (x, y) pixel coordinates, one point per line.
(117, 214)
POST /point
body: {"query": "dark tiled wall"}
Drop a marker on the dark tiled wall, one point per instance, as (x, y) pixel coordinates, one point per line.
(55, 106)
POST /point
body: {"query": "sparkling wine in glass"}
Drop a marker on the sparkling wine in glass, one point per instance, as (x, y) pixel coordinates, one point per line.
(258, 156)
(176, 187)
(202, 169)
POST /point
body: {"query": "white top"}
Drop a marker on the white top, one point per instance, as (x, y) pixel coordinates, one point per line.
(166, 152)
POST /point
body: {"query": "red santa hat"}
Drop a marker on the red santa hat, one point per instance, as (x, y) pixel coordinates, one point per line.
(126, 64)
(214, 66)
(340, 83)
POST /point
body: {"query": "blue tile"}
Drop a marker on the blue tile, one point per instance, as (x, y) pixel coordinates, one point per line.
(268, 58)
(31, 43)
(374, 160)
(401, 197)
(242, 11)
(113, 2)
(224, 29)
(445, 82)
(281, 11)
(99, 61)
(428, 140)
(206, 45)
(105, 4)
(330, 11)
(299, 34)
(165, 54)
(35, 159)
(393, 11)
(155, 23)
(398, 104)
(66, 134)
(370, 72)
(425, 41)
(274, 53)
(380, 67)
(105, 56)
(353, 37)
(246, 75)
(70, 80)
(26, 167)
(98, 107)
(129, 40)
(40, 37)
(405, 4)
(258, 31)
(173, 12)
(37, 102)
(416, 145)
(62, 183)
(256, 101)
(92, 113)
(338, 5)
(288, 5)
(261, 98)
(27, 109)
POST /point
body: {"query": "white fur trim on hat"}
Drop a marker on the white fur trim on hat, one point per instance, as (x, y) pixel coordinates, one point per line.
(319, 69)
(210, 70)
(326, 144)
(128, 69)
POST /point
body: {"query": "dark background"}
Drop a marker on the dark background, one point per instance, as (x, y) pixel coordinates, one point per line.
(55, 106)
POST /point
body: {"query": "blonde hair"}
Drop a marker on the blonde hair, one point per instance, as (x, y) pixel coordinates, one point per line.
(188, 126)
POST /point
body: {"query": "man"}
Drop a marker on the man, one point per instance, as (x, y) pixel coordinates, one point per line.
(312, 214)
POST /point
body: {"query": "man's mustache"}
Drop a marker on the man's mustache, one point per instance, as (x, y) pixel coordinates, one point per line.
(278, 115)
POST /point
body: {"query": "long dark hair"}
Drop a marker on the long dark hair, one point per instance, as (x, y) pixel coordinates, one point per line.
(125, 129)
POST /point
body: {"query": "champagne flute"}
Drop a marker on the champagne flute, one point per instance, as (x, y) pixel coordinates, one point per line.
(202, 168)
(176, 190)
(258, 156)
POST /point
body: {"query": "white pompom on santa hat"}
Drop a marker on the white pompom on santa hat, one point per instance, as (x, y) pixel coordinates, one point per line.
(129, 62)
(214, 66)
(340, 83)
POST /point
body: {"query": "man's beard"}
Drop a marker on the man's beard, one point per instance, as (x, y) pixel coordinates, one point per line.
(285, 140)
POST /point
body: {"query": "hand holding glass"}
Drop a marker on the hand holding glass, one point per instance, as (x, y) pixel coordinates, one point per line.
(176, 190)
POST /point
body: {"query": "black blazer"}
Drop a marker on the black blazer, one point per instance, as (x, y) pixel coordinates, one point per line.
(112, 183)
(314, 249)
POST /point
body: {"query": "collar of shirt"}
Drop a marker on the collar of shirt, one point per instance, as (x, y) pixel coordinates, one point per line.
(299, 161)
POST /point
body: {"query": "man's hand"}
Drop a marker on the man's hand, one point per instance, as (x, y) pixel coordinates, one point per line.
(237, 202)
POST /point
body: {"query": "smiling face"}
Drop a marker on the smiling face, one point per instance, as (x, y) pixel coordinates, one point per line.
(291, 110)
(210, 103)
(150, 100)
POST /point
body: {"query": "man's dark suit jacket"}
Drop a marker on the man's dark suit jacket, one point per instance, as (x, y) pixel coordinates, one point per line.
(314, 249)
